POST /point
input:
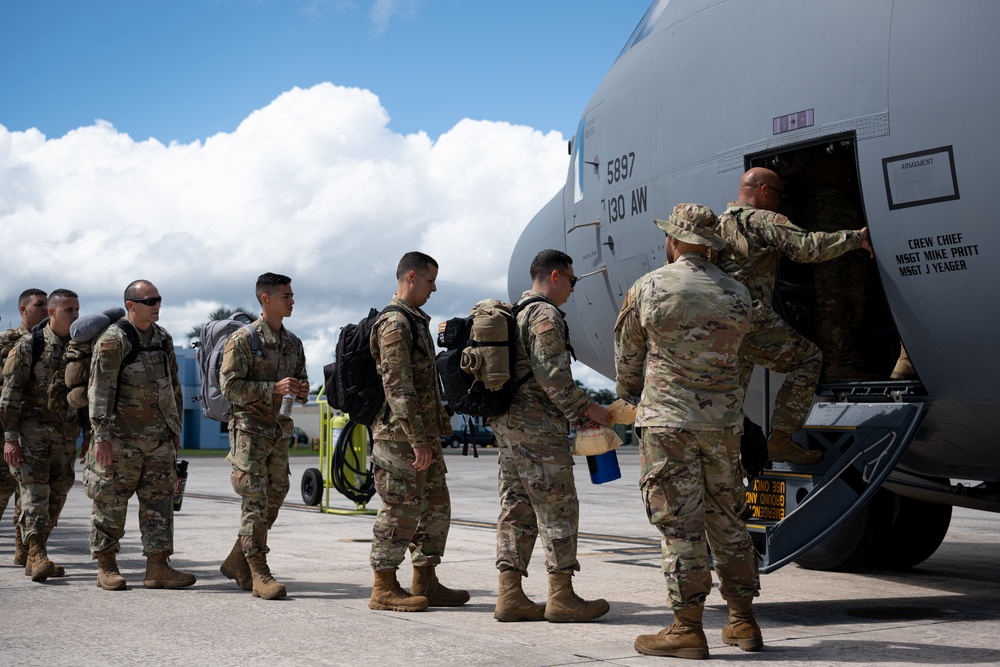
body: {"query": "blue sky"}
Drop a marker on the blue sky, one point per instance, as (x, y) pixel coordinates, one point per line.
(187, 69)
(200, 143)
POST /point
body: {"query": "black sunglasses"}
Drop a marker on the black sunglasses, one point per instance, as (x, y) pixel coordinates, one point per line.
(151, 301)
(572, 279)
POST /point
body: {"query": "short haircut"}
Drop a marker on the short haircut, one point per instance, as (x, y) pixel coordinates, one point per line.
(63, 294)
(414, 261)
(132, 291)
(548, 261)
(267, 282)
(27, 295)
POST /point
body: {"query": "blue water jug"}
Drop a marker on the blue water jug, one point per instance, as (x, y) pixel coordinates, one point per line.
(604, 467)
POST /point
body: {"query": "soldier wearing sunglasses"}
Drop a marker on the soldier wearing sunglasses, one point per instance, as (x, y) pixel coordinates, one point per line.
(135, 410)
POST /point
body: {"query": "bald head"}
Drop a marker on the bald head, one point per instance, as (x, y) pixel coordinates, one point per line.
(761, 188)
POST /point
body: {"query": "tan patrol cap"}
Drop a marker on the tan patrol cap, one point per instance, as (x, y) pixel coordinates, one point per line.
(693, 223)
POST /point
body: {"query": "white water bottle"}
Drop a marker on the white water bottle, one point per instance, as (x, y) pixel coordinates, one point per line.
(286, 405)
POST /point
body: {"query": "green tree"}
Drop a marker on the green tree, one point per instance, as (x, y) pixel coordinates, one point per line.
(220, 313)
(599, 396)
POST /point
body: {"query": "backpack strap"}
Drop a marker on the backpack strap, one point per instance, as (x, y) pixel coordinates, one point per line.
(37, 344)
(515, 310)
(413, 326)
(133, 338)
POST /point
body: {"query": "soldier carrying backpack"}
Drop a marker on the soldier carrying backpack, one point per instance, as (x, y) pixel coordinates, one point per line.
(536, 482)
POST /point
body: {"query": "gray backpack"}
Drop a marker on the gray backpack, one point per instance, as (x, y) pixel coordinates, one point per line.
(211, 343)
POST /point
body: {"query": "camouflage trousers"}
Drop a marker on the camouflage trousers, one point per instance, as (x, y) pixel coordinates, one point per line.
(416, 508)
(146, 468)
(687, 484)
(775, 345)
(261, 478)
(536, 498)
(8, 487)
(45, 477)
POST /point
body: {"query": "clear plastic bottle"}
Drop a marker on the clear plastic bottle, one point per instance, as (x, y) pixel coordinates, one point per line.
(286, 405)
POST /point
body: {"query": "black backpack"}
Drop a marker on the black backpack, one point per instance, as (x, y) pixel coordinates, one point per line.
(462, 391)
(352, 382)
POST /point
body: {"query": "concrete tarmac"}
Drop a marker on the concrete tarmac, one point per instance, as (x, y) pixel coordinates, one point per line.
(944, 612)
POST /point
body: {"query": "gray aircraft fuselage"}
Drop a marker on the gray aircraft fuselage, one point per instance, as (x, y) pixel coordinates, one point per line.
(706, 88)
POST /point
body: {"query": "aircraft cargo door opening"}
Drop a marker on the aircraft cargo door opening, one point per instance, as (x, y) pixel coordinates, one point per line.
(839, 304)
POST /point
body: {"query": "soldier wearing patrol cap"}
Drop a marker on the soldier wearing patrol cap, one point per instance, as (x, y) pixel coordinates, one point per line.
(677, 341)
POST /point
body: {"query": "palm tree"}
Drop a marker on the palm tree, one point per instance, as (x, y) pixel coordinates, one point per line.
(220, 313)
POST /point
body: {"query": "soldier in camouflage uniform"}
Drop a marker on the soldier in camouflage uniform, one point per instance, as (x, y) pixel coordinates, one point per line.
(32, 305)
(677, 341)
(409, 464)
(537, 489)
(136, 405)
(40, 429)
(756, 237)
(258, 433)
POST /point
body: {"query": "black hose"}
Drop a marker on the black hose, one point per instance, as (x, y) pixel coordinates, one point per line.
(344, 459)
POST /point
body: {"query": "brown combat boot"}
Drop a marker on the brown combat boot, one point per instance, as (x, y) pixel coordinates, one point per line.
(426, 584)
(742, 629)
(684, 639)
(781, 447)
(29, 559)
(41, 567)
(264, 585)
(57, 569)
(20, 548)
(512, 604)
(159, 574)
(565, 606)
(236, 567)
(108, 576)
(904, 369)
(388, 595)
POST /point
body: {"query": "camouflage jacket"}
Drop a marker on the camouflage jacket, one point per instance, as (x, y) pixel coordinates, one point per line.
(677, 341)
(34, 398)
(548, 399)
(141, 401)
(756, 239)
(410, 378)
(248, 381)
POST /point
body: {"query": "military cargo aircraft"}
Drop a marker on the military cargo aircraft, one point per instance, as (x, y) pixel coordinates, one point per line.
(894, 97)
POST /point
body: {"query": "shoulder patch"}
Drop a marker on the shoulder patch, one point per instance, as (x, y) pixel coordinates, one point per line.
(542, 327)
(392, 337)
(108, 343)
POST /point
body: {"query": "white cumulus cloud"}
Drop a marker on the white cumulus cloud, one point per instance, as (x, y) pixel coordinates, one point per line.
(314, 185)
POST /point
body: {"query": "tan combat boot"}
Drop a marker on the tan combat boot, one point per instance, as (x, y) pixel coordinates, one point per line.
(683, 639)
(57, 569)
(20, 548)
(388, 595)
(41, 567)
(565, 606)
(426, 584)
(108, 576)
(904, 369)
(742, 629)
(781, 447)
(236, 567)
(29, 559)
(512, 604)
(264, 585)
(159, 574)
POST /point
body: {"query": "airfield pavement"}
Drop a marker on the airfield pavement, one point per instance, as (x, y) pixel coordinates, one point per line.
(944, 612)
